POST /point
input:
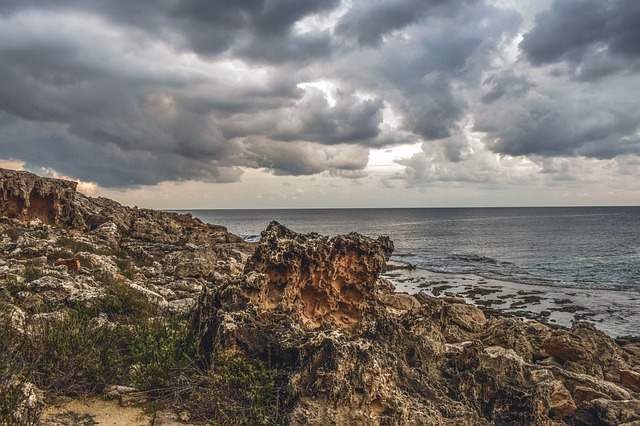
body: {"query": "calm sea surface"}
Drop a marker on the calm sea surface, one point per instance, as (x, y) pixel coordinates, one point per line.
(571, 247)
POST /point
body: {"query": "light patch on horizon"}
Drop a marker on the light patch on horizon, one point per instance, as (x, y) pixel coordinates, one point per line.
(386, 159)
(11, 164)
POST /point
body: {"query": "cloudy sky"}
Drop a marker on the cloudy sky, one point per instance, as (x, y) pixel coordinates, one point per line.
(326, 103)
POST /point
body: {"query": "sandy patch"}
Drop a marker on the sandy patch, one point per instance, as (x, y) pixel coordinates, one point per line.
(94, 411)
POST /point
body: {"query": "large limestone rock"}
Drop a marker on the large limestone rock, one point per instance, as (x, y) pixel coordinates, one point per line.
(316, 279)
(26, 196)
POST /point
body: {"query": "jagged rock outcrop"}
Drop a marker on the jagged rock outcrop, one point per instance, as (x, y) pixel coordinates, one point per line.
(27, 197)
(162, 256)
(314, 307)
(316, 279)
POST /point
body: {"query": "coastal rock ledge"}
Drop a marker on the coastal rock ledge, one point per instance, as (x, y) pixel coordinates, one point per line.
(347, 349)
(358, 354)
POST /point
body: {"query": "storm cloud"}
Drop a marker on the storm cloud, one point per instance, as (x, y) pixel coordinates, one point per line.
(128, 93)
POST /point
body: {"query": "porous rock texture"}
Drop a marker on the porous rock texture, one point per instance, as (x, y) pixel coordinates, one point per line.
(357, 354)
(164, 256)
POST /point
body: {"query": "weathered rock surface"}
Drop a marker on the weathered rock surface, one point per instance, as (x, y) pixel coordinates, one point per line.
(165, 256)
(357, 355)
(27, 197)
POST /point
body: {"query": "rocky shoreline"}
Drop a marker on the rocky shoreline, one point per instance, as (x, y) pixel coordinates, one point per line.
(613, 312)
(194, 324)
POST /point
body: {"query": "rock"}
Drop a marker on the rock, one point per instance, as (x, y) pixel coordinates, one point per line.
(586, 394)
(630, 379)
(316, 279)
(62, 292)
(604, 412)
(579, 348)
(469, 317)
(399, 301)
(107, 233)
(525, 338)
(408, 369)
(20, 402)
(574, 380)
(346, 348)
(27, 197)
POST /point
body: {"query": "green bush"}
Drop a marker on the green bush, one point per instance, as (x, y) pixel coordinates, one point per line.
(74, 245)
(58, 254)
(14, 287)
(74, 355)
(121, 300)
(238, 391)
(32, 272)
(163, 350)
(126, 267)
(77, 354)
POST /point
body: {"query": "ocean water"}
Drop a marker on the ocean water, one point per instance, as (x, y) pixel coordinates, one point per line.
(575, 247)
(556, 263)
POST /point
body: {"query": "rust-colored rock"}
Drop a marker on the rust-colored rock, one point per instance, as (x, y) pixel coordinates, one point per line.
(25, 196)
(630, 379)
(317, 279)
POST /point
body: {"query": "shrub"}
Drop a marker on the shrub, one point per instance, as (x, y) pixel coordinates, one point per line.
(14, 233)
(164, 351)
(32, 272)
(59, 254)
(14, 287)
(74, 355)
(74, 245)
(121, 300)
(237, 391)
(126, 267)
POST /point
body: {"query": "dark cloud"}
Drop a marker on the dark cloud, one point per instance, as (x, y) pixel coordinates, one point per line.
(307, 158)
(594, 37)
(350, 120)
(258, 28)
(127, 93)
(506, 83)
(367, 22)
(572, 126)
(421, 75)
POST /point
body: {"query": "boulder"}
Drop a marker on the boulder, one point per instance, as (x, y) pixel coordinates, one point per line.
(630, 379)
(605, 412)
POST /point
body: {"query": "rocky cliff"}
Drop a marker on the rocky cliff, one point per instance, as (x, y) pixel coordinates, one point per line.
(299, 329)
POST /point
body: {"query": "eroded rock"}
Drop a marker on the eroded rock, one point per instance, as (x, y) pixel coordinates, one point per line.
(317, 279)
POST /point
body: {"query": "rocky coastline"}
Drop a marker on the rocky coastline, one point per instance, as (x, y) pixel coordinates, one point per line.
(198, 327)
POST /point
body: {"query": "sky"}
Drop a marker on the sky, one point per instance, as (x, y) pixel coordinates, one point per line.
(326, 103)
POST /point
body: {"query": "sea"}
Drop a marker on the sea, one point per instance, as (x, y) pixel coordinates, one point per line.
(560, 255)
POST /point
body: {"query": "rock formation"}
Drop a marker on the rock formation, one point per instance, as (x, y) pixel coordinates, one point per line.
(357, 354)
(27, 197)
